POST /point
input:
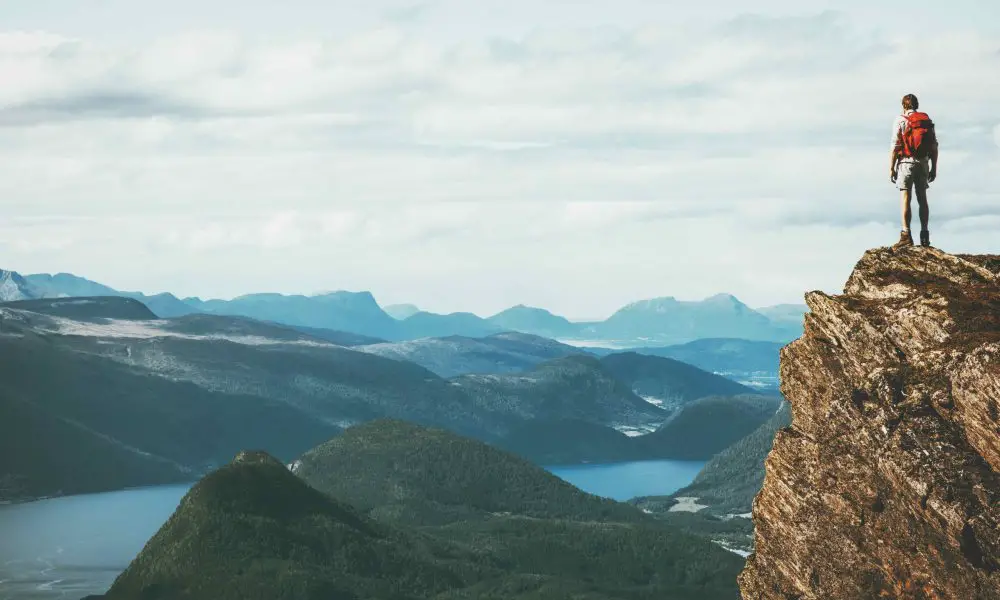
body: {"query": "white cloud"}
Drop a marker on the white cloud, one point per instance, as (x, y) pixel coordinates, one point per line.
(466, 172)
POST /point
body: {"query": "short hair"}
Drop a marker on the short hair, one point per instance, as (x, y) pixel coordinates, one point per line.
(910, 102)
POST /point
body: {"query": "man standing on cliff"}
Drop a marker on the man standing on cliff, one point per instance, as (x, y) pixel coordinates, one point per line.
(913, 161)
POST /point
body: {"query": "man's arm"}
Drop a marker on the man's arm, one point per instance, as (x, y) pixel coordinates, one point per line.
(895, 149)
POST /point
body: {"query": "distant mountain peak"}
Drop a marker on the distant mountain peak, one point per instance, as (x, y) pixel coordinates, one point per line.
(655, 304)
(534, 320)
(669, 302)
(525, 309)
(727, 301)
(722, 297)
(362, 295)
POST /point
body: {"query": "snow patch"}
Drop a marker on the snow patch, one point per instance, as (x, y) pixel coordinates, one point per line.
(73, 302)
(743, 553)
(637, 430)
(47, 587)
(10, 290)
(481, 378)
(653, 400)
(294, 466)
(754, 379)
(687, 504)
(120, 328)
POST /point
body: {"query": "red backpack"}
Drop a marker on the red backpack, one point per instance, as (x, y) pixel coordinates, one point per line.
(918, 135)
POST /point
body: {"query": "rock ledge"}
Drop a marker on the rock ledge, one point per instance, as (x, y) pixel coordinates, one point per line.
(887, 484)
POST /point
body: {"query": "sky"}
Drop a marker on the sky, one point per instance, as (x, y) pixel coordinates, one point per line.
(470, 156)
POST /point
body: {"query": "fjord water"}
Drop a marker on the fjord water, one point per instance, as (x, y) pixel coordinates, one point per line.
(76, 545)
(73, 546)
(622, 481)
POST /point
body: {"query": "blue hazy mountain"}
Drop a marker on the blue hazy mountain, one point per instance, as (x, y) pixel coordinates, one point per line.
(537, 321)
(663, 321)
(655, 322)
(427, 324)
(716, 355)
(401, 311)
(356, 312)
(785, 314)
(723, 354)
(66, 285)
(165, 305)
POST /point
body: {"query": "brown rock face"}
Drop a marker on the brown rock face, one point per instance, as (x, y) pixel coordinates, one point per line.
(887, 484)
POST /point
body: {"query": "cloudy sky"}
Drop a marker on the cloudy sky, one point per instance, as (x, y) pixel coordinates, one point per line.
(474, 155)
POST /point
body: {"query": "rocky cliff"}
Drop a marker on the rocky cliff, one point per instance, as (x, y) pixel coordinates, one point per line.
(887, 483)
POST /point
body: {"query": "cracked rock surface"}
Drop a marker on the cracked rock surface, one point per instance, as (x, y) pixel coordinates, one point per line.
(887, 483)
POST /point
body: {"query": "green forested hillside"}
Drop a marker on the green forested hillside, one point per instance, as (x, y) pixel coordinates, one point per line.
(252, 530)
(71, 422)
(730, 480)
(420, 474)
(569, 441)
(667, 380)
(710, 425)
(506, 529)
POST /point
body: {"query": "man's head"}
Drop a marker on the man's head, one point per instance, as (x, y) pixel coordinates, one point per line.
(910, 102)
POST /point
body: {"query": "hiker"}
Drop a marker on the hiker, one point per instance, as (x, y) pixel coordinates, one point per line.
(913, 161)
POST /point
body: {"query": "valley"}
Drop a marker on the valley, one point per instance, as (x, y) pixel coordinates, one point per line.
(141, 391)
(107, 403)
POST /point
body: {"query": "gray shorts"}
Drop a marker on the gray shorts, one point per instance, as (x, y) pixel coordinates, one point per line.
(912, 175)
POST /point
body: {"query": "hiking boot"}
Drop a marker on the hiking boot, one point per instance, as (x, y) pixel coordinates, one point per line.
(905, 239)
(925, 238)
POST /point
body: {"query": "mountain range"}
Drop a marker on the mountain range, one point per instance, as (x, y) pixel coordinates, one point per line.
(660, 321)
(168, 399)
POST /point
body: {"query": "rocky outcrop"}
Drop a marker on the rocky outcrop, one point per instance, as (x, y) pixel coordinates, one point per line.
(887, 483)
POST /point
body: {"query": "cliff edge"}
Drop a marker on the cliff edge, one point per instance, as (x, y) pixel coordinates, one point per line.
(887, 483)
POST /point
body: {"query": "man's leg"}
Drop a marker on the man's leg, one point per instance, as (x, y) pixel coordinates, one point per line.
(925, 235)
(904, 196)
(924, 211)
(904, 182)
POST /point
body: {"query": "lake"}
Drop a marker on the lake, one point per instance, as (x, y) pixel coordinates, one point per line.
(74, 546)
(622, 481)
